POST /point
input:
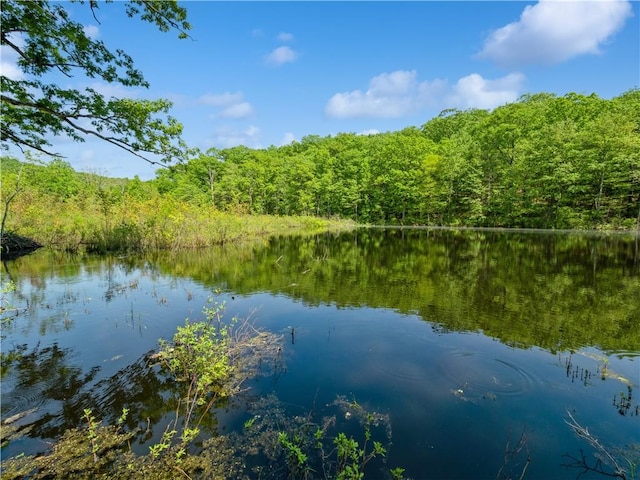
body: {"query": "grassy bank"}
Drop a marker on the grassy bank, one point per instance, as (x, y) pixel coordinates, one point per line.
(159, 223)
(60, 208)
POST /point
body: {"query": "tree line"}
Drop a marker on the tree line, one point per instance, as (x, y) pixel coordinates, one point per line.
(542, 162)
(545, 161)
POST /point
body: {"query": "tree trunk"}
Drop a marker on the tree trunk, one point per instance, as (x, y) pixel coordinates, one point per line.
(8, 200)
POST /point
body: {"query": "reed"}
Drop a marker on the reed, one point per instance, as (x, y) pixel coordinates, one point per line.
(145, 225)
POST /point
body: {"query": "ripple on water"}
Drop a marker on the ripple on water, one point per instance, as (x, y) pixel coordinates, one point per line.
(480, 375)
(399, 362)
(20, 403)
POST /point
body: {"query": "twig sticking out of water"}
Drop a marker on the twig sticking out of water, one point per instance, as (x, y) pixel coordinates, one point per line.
(604, 454)
(510, 454)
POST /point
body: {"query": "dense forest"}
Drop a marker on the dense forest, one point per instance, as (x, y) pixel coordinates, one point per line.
(541, 162)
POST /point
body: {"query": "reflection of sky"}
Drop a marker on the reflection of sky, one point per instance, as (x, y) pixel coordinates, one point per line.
(446, 393)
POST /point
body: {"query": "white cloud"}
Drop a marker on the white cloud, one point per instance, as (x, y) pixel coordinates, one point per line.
(9, 68)
(553, 31)
(179, 99)
(9, 58)
(389, 95)
(281, 55)
(399, 94)
(474, 91)
(87, 155)
(287, 138)
(237, 110)
(115, 90)
(221, 99)
(226, 137)
(91, 31)
(233, 104)
(370, 131)
(285, 37)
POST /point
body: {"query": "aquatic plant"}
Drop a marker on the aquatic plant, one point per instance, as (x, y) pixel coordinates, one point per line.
(313, 449)
(211, 359)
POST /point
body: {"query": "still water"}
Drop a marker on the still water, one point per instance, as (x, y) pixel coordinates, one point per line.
(465, 341)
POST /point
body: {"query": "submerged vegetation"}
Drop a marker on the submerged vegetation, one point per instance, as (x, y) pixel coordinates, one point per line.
(210, 360)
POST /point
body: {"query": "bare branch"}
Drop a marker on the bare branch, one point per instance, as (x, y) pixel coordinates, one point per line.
(583, 432)
(511, 453)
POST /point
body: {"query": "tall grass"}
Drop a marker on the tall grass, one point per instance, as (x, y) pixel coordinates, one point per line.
(142, 225)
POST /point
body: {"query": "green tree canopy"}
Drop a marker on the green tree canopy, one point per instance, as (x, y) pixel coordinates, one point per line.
(49, 43)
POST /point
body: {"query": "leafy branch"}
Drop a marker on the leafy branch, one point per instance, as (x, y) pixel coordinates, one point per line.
(45, 40)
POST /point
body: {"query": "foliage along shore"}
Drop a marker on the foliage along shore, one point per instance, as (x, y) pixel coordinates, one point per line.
(544, 162)
(67, 210)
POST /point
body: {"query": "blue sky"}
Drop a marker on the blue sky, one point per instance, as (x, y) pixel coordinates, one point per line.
(267, 73)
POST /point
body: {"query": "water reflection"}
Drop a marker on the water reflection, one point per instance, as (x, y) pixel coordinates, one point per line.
(465, 339)
(555, 291)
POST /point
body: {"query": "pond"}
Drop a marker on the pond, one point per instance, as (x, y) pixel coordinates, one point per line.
(476, 347)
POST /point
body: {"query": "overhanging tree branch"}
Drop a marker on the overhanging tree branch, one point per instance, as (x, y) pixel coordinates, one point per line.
(45, 39)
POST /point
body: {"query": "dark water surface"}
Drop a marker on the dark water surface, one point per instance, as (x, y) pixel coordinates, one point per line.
(465, 339)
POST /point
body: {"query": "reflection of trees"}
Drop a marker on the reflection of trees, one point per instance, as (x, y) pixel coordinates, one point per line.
(45, 383)
(44, 380)
(552, 290)
(555, 291)
(46, 285)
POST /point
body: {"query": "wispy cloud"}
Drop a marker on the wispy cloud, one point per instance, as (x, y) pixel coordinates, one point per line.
(115, 90)
(281, 55)
(220, 99)
(227, 137)
(553, 31)
(285, 37)
(233, 105)
(237, 111)
(287, 138)
(91, 31)
(399, 93)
